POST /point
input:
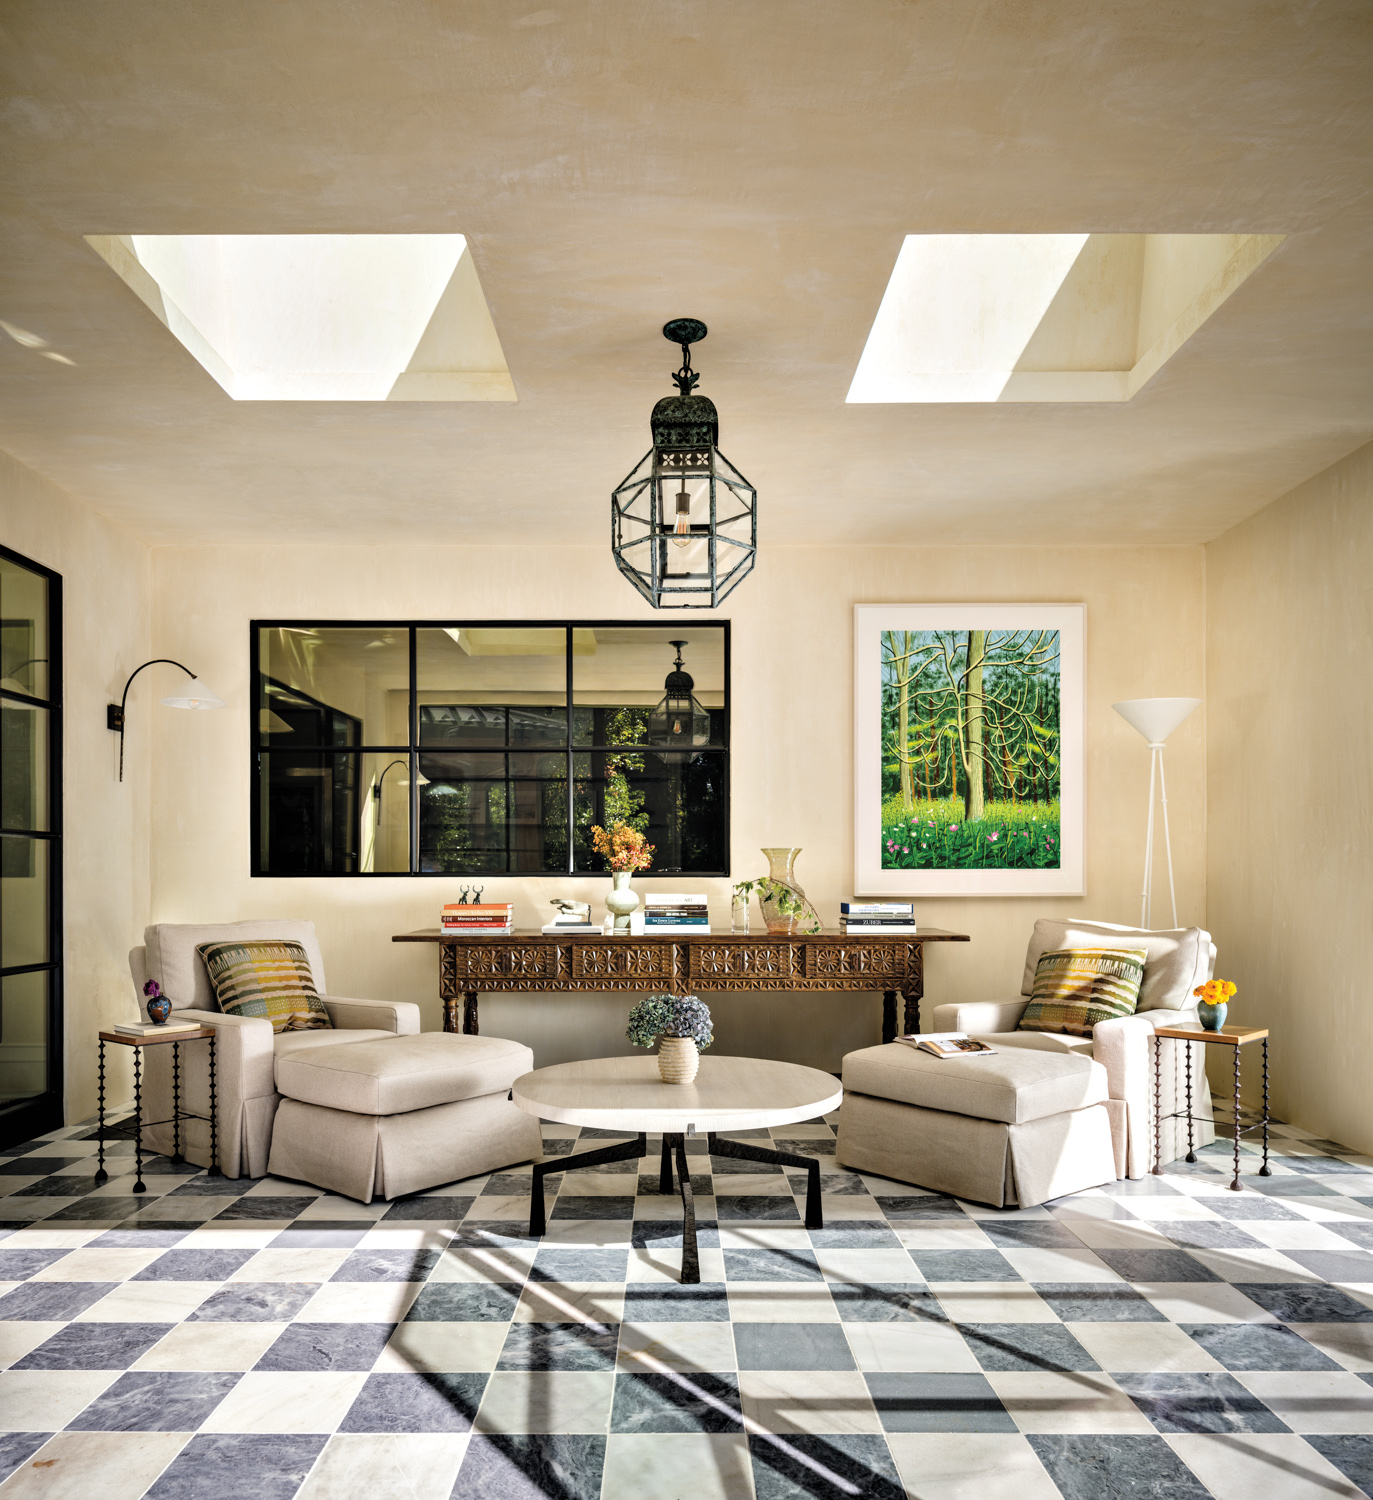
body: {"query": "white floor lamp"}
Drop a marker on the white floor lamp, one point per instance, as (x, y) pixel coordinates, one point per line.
(1156, 719)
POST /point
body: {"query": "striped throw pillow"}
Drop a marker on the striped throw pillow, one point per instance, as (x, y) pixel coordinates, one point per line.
(1075, 988)
(266, 979)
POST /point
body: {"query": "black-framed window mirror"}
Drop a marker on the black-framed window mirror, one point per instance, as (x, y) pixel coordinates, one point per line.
(30, 848)
(486, 747)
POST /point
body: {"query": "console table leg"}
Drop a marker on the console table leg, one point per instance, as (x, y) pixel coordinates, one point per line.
(888, 1016)
(469, 1013)
(913, 1009)
(450, 1013)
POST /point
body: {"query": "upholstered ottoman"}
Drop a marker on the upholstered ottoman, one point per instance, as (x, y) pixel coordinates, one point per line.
(401, 1113)
(1016, 1128)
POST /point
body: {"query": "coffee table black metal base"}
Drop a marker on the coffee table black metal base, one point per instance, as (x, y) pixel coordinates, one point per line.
(675, 1154)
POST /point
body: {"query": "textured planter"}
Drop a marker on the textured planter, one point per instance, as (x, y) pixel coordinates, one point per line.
(678, 1059)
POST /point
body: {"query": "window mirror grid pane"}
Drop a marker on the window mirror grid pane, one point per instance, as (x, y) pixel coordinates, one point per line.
(333, 686)
(24, 761)
(323, 812)
(487, 687)
(24, 1008)
(23, 630)
(621, 694)
(483, 813)
(24, 896)
(677, 800)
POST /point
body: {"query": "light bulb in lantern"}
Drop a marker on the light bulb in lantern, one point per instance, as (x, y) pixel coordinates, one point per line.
(682, 530)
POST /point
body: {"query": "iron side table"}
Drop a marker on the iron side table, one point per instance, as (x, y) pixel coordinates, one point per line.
(1234, 1037)
(135, 1128)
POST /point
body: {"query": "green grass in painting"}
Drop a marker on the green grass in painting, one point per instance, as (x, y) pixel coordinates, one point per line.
(934, 836)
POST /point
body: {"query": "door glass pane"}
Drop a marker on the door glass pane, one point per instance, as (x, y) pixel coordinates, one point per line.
(616, 687)
(23, 630)
(484, 813)
(310, 812)
(676, 800)
(23, 1037)
(493, 687)
(23, 766)
(333, 686)
(23, 901)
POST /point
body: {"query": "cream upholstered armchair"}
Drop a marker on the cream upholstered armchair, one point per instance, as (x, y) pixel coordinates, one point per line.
(1178, 960)
(247, 1050)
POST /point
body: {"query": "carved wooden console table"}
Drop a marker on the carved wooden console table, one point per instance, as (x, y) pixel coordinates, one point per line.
(537, 963)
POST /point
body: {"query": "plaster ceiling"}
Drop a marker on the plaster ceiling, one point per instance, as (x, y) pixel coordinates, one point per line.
(613, 164)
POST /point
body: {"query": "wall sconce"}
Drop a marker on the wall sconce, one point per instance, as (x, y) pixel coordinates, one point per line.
(196, 694)
(420, 780)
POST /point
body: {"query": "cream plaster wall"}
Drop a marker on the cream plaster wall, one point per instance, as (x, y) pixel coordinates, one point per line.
(1290, 624)
(106, 634)
(792, 752)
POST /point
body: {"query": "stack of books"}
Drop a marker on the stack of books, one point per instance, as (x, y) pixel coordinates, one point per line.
(890, 918)
(571, 922)
(668, 913)
(484, 916)
(151, 1028)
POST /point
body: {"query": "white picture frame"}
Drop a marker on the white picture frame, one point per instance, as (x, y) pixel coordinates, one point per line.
(870, 623)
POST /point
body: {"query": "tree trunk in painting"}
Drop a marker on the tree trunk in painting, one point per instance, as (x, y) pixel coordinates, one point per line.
(973, 797)
(904, 729)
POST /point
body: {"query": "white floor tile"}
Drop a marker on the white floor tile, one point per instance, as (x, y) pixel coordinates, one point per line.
(970, 1466)
(360, 1302)
(649, 1347)
(368, 1466)
(287, 1401)
(41, 1400)
(1081, 1401)
(211, 1346)
(149, 1302)
(665, 1265)
(781, 1302)
(705, 1465)
(992, 1302)
(1254, 1265)
(815, 1401)
(1348, 1344)
(1271, 1465)
(571, 1302)
(941, 1234)
(866, 1267)
(98, 1265)
(1129, 1348)
(16, 1339)
(1202, 1302)
(1117, 1234)
(499, 1263)
(443, 1347)
(1052, 1264)
(228, 1237)
(81, 1465)
(1313, 1400)
(291, 1265)
(1295, 1234)
(546, 1401)
(921, 1346)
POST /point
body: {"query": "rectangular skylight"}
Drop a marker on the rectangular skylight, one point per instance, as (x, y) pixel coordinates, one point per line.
(1044, 317)
(322, 317)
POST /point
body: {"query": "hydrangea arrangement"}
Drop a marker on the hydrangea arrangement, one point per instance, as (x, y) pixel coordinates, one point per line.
(670, 1015)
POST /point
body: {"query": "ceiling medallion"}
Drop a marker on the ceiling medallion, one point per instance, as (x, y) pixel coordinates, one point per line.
(684, 524)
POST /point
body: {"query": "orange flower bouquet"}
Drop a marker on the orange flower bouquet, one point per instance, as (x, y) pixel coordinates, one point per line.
(1213, 996)
(623, 847)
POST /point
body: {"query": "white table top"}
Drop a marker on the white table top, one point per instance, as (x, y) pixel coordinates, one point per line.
(626, 1093)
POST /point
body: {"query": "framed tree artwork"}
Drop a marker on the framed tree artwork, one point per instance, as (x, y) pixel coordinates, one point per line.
(968, 749)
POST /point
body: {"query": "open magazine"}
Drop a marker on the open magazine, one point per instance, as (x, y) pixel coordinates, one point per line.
(948, 1044)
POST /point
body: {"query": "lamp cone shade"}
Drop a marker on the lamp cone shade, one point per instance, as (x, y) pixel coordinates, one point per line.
(196, 694)
(1156, 718)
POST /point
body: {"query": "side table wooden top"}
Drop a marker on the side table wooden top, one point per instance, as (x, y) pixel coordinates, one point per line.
(1230, 1036)
(152, 1039)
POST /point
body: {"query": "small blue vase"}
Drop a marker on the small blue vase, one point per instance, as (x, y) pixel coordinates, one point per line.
(159, 1009)
(1212, 1017)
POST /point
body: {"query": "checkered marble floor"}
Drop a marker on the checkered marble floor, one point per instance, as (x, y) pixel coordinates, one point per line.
(217, 1339)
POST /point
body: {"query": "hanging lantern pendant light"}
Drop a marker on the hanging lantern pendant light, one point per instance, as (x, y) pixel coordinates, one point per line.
(679, 723)
(713, 528)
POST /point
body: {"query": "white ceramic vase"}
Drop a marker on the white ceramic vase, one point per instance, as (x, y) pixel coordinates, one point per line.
(621, 900)
(678, 1059)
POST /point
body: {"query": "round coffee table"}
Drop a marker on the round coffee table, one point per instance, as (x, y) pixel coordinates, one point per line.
(728, 1093)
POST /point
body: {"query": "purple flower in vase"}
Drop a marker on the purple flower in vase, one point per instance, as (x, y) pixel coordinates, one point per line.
(159, 1006)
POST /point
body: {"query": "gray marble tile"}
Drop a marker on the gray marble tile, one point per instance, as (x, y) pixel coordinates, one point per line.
(415, 1403)
(676, 1403)
(94, 1346)
(569, 1206)
(270, 1208)
(37, 1164)
(143, 1237)
(1297, 1302)
(554, 1263)
(1030, 1234)
(327, 1346)
(323, 1235)
(1157, 1265)
(735, 1166)
(1025, 1346)
(485, 1233)
(90, 1210)
(807, 1146)
(155, 1401)
(774, 1208)
(19, 1265)
(772, 1265)
(1258, 1346)
(841, 1184)
(792, 1346)
(1141, 1187)
(1097, 1302)
(1289, 1187)
(937, 1403)
(1360, 1234)
(434, 1209)
(59, 1187)
(255, 1302)
(964, 1265)
(1116, 1467)
(195, 1265)
(666, 1234)
(886, 1302)
(17, 1448)
(1335, 1265)
(1198, 1401)
(1240, 1206)
(536, 1466)
(466, 1302)
(660, 1302)
(206, 1186)
(387, 1265)
(1352, 1455)
(512, 1184)
(855, 1234)
(240, 1466)
(559, 1346)
(804, 1466)
(1207, 1234)
(52, 1301)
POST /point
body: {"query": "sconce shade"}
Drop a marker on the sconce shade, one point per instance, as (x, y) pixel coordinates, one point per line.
(196, 694)
(1156, 718)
